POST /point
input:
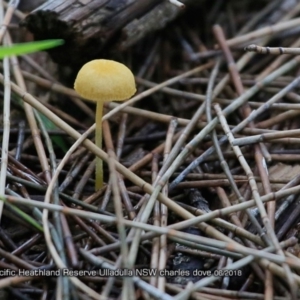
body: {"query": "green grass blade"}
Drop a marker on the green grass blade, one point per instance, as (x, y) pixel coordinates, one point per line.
(25, 217)
(20, 49)
(56, 139)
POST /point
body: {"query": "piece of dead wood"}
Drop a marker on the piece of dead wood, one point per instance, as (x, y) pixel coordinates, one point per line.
(280, 171)
(95, 28)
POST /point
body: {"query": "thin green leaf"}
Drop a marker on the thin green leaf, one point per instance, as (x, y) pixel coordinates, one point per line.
(49, 125)
(25, 216)
(56, 139)
(20, 49)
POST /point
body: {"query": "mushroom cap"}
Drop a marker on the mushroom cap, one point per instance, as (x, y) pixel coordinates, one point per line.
(105, 80)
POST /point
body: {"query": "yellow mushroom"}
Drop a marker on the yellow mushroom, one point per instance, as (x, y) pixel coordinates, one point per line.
(103, 81)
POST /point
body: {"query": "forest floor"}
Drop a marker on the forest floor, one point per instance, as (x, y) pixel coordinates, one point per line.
(201, 176)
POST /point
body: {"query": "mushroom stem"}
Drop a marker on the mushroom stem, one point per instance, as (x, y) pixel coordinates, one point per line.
(98, 137)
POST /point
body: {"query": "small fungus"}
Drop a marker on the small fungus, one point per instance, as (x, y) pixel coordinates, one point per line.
(103, 81)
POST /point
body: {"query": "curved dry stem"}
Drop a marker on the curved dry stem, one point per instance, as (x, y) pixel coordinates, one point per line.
(6, 132)
(48, 240)
(98, 137)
